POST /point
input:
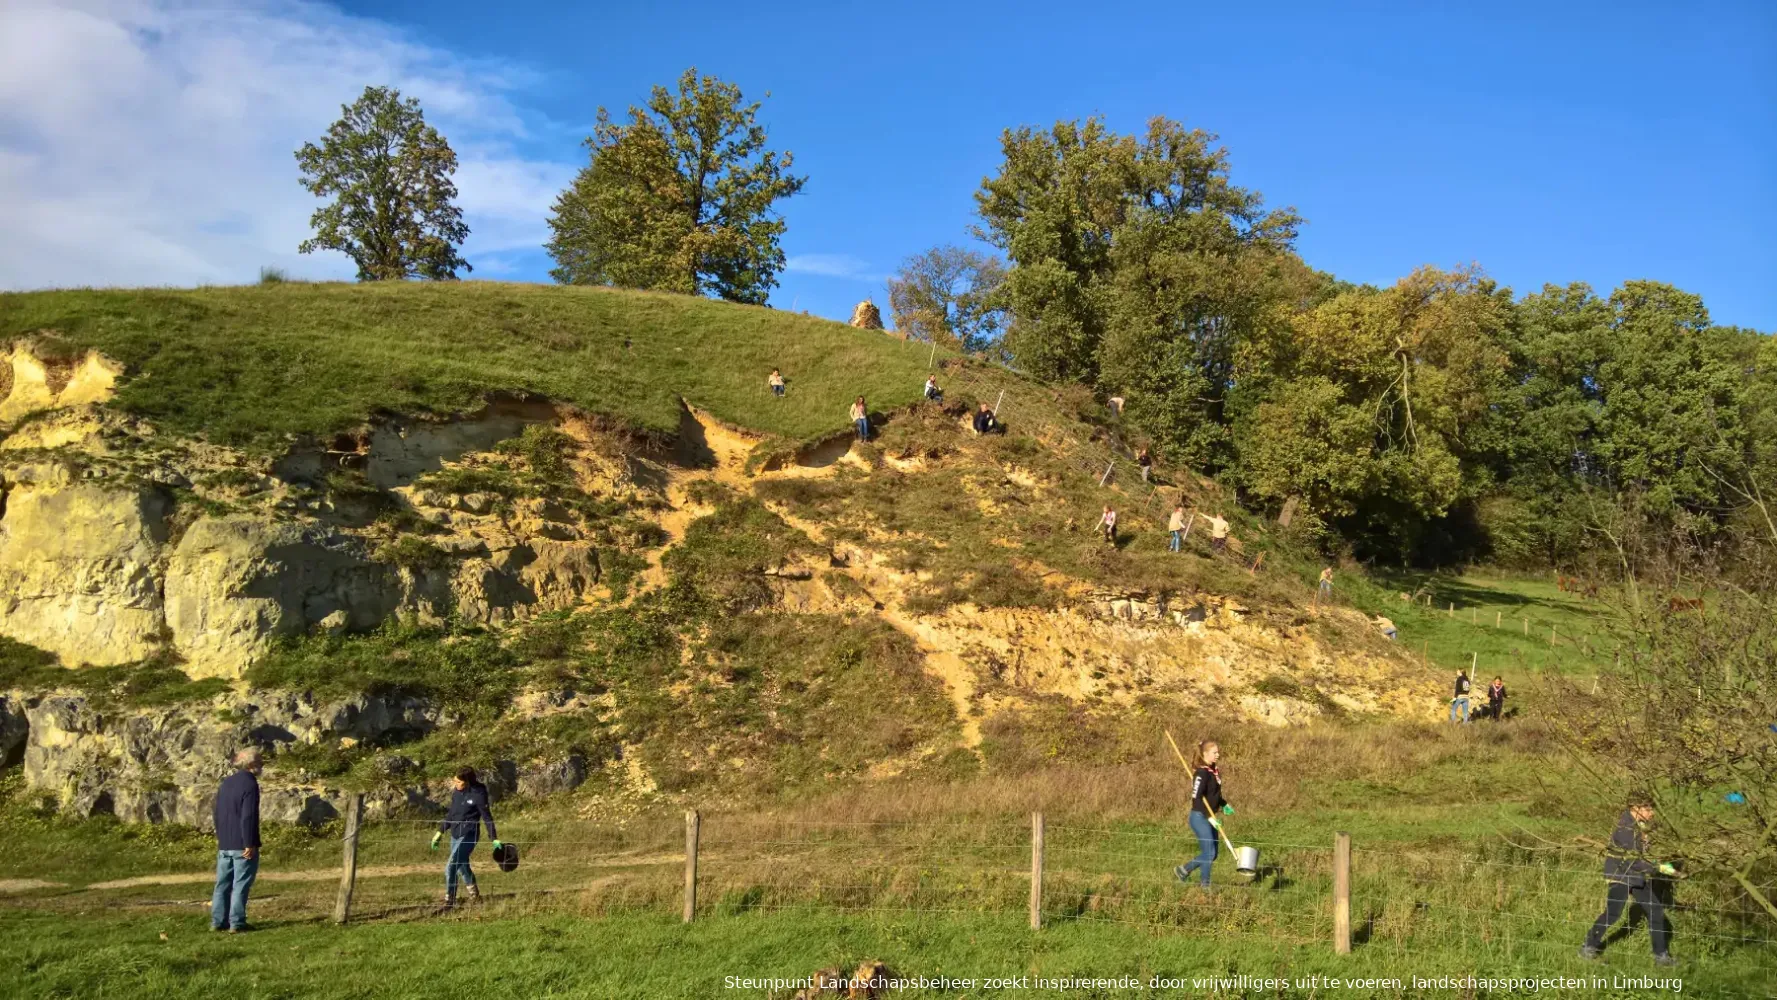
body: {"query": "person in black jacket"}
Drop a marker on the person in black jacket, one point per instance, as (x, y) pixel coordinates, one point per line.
(236, 816)
(1630, 874)
(985, 420)
(1496, 698)
(1459, 700)
(468, 810)
(1206, 801)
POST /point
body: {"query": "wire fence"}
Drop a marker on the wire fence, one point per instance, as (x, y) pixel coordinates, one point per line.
(1494, 902)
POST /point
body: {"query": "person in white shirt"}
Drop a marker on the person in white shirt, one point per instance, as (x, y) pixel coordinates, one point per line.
(1108, 524)
(1176, 525)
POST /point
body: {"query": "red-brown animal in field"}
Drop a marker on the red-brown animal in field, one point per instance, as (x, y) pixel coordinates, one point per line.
(1684, 604)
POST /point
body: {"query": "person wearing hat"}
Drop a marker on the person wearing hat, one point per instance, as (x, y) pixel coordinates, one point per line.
(1630, 876)
(236, 815)
(468, 810)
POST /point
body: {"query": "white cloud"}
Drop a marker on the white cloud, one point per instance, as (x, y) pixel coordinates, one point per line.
(152, 141)
(831, 265)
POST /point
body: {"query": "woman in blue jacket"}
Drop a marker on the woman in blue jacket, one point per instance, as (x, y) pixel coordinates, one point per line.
(468, 811)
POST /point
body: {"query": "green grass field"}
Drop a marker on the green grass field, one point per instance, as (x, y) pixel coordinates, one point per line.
(1465, 861)
(252, 365)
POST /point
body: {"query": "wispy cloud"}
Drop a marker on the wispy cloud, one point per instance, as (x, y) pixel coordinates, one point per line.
(831, 265)
(151, 141)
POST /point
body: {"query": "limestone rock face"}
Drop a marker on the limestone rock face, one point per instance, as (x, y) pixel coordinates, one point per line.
(235, 584)
(79, 569)
(866, 316)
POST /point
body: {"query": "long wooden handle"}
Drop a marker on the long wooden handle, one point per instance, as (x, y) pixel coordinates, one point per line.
(1218, 826)
(1175, 751)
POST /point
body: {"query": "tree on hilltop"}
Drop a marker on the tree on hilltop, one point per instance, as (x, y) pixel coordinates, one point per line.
(394, 210)
(949, 295)
(678, 198)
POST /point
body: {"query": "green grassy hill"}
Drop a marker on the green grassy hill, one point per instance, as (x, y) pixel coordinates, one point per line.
(252, 365)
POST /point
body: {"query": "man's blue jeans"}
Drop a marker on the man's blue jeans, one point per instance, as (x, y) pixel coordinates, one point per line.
(234, 879)
(1178, 538)
(1206, 846)
(456, 866)
(1456, 703)
(863, 428)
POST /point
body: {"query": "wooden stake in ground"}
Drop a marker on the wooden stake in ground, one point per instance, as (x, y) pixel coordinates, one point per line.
(1496, 615)
(1452, 609)
(348, 872)
(1036, 871)
(1342, 893)
(1526, 626)
(693, 824)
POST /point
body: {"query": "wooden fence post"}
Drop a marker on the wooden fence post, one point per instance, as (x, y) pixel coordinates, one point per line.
(1036, 871)
(1342, 893)
(1452, 609)
(1526, 626)
(1496, 616)
(348, 871)
(1551, 635)
(692, 824)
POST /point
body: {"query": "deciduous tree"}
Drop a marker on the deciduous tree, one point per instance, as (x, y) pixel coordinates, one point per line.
(679, 198)
(950, 295)
(389, 175)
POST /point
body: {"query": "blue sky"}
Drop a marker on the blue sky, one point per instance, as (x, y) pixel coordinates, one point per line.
(1547, 142)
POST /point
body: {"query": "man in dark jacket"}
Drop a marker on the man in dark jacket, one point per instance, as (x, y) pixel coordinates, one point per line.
(237, 843)
(985, 420)
(468, 810)
(1630, 874)
(1459, 700)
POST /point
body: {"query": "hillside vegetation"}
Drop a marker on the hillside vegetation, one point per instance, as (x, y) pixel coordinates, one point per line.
(255, 366)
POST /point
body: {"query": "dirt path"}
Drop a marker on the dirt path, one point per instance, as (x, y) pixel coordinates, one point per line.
(330, 874)
(8, 885)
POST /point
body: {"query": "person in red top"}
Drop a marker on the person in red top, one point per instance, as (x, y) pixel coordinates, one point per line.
(1206, 801)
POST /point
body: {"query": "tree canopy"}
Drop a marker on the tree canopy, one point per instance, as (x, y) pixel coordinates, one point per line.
(679, 197)
(949, 295)
(394, 206)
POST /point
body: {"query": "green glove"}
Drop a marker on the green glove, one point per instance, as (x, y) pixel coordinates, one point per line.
(1215, 822)
(496, 845)
(435, 837)
(1227, 810)
(1667, 869)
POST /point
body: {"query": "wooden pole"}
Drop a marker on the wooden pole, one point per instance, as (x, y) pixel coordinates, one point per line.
(1473, 661)
(1036, 871)
(1551, 635)
(1526, 626)
(1342, 893)
(997, 402)
(1496, 615)
(348, 871)
(692, 824)
(1107, 472)
(1452, 609)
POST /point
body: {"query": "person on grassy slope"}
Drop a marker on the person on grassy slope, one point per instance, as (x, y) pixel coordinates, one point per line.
(236, 815)
(1108, 524)
(1176, 525)
(1459, 700)
(1218, 531)
(776, 381)
(1206, 801)
(985, 421)
(1496, 698)
(1146, 461)
(932, 392)
(1630, 876)
(860, 418)
(468, 811)
(1324, 592)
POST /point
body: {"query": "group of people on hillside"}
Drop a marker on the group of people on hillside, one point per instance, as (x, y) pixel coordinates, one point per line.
(1629, 874)
(984, 421)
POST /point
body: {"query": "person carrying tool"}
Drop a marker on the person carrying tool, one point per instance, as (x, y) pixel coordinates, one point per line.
(1630, 875)
(1206, 801)
(1459, 700)
(468, 810)
(985, 421)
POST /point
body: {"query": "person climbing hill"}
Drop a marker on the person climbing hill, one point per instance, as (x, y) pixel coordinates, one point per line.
(1218, 531)
(1206, 802)
(776, 381)
(1146, 461)
(860, 418)
(1176, 525)
(932, 392)
(985, 421)
(1108, 524)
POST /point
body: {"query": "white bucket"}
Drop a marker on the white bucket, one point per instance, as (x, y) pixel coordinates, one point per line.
(1247, 860)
